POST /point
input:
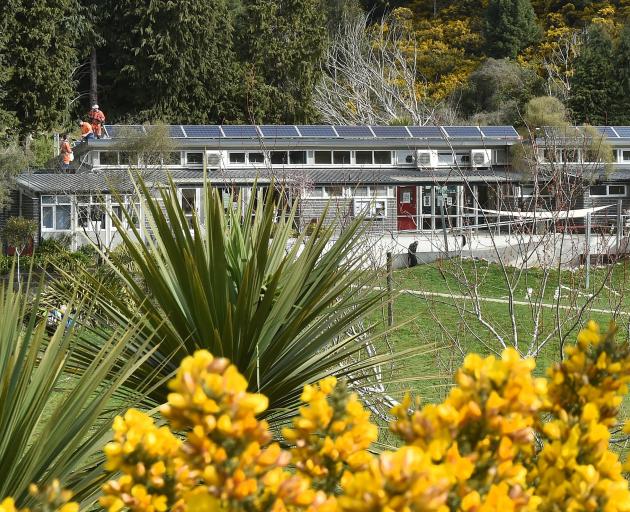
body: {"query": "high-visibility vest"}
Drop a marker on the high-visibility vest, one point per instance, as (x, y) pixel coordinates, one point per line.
(86, 129)
(65, 151)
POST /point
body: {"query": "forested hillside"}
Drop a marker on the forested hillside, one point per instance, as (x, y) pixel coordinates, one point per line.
(286, 61)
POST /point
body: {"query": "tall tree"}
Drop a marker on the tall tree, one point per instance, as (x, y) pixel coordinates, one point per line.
(594, 89)
(168, 60)
(510, 26)
(621, 108)
(282, 44)
(42, 58)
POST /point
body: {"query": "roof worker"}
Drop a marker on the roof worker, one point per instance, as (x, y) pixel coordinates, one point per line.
(86, 130)
(65, 151)
(97, 119)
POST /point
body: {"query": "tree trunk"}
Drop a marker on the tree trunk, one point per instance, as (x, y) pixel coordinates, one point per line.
(93, 78)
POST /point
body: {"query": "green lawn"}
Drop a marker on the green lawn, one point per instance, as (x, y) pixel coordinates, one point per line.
(423, 320)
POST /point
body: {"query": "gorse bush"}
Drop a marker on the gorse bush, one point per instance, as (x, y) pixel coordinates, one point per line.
(502, 440)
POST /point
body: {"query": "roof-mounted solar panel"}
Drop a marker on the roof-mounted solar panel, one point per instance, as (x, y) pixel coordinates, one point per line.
(313, 130)
(390, 131)
(608, 131)
(175, 131)
(274, 131)
(245, 131)
(425, 132)
(457, 132)
(623, 131)
(503, 132)
(202, 131)
(354, 131)
(117, 131)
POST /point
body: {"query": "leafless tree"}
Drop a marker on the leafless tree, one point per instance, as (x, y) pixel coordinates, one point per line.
(371, 76)
(558, 65)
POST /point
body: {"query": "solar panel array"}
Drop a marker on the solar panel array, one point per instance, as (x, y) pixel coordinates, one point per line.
(320, 131)
(610, 132)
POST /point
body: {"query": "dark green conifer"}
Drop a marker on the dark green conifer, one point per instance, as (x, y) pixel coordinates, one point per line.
(510, 26)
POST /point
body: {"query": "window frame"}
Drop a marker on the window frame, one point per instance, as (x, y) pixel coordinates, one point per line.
(53, 205)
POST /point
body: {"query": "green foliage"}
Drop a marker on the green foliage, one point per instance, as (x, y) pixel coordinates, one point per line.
(41, 55)
(282, 43)
(510, 26)
(56, 393)
(621, 111)
(593, 84)
(284, 310)
(167, 60)
(498, 90)
(19, 231)
(545, 111)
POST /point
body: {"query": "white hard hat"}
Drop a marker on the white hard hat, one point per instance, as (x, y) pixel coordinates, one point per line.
(94, 107)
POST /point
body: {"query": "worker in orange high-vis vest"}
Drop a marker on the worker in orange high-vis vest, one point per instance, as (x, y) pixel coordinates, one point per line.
(65, 151)
(86, 130)
(97, 119)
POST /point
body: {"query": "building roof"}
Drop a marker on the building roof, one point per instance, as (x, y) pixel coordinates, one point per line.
(120, 181)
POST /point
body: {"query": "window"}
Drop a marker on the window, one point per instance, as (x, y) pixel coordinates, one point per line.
(607, 190)
(383, 157)
(194, 158)
(341, 157)
(256, 158)
(91, 212)
(237, 158)
(334, 191)
(108, 157)
(189, 201)
(172, 158)
(128, 158)
(500, 156)
(371, 208)
(625, 156)
(56, 213)
(279, 157)
(323, 157)
(364, 157)
(297, 157)
(445, 158)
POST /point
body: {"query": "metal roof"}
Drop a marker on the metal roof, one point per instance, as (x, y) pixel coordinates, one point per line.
(118, 180)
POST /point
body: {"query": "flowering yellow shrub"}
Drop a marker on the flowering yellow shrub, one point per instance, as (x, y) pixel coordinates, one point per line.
(503, 440)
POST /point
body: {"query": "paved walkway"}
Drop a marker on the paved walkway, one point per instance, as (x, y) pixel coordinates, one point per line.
(422, 293)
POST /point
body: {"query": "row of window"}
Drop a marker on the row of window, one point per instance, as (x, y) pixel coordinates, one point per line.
(91, 212)
(607, 190)
(311, 157)
(575, 155)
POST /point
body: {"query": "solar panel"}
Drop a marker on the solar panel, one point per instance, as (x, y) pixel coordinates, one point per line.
(354, 131)
(174, 130)
(425, 132)
(499, 131)
(279, 131)
(120, 131)
(462, 131)
(314, 130)
(623, 131)
(242, 131)
(202, 131)
(607, 131)
(390, 131)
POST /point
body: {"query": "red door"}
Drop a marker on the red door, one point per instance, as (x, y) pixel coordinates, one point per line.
(407, 208)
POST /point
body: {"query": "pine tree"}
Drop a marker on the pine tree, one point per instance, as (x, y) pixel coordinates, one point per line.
(593, 89)
(42, 56)
(166, 60)
(282, 45)
(510, 26)
(620, 110)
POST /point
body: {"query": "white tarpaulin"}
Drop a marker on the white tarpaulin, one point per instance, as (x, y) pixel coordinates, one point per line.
(542, 215)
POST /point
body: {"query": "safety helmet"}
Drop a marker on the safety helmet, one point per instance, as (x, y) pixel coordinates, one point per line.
(95, 107)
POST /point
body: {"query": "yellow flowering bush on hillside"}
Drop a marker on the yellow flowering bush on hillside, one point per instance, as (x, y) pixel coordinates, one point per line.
(503, 440)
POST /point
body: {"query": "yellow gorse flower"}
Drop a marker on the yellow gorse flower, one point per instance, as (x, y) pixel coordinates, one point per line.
(502, 441)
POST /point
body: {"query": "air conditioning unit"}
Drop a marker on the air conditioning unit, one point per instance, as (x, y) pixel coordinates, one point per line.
(480, 157)
(426, 158)
(214, 160)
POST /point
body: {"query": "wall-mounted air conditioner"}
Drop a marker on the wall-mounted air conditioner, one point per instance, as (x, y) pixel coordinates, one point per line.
(480, 157)
(214, 160)
(426, 158)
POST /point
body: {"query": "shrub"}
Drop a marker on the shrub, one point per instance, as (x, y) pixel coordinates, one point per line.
(502, 440)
